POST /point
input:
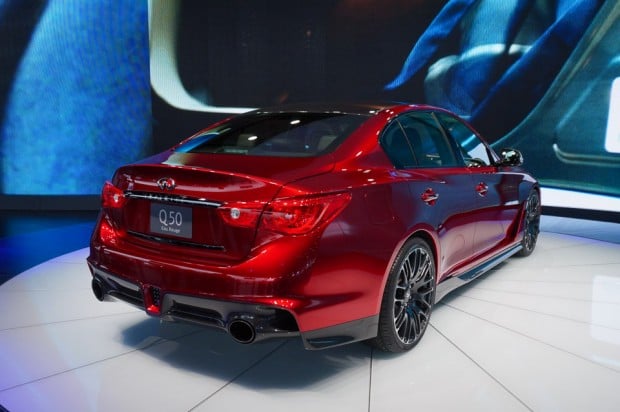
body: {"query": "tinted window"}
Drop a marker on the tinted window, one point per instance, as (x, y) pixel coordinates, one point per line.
(280, 134)
(473, 150)
(430, 145)
(397, 147)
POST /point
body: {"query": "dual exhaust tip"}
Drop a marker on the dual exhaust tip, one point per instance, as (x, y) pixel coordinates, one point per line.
(241, 330)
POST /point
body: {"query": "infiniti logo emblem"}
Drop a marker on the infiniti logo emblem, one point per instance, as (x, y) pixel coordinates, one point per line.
(166, 183)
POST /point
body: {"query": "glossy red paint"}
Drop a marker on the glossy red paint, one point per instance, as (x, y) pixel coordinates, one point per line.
(314, 237)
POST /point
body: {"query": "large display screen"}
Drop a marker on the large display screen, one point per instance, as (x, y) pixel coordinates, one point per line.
(542, 76)
(74, 93)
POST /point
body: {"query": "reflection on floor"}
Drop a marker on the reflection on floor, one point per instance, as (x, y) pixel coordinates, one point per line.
(540, 333)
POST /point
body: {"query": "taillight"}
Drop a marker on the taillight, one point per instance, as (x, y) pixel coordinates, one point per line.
(291, 216)
(107, 234)
(112, 196)
(297, 216)
(241, 214)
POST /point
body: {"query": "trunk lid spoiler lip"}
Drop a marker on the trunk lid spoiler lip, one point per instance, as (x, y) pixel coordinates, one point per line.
(268, 169)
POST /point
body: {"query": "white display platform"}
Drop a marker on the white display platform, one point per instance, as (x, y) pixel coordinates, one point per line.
(540, 333)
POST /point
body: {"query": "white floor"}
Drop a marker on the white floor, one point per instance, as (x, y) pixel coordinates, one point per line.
(541, 333)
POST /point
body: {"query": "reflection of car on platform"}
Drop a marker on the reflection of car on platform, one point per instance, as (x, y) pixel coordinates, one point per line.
(339, 223)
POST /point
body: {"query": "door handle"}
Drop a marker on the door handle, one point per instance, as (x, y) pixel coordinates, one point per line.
(482, 189)
(429, 197)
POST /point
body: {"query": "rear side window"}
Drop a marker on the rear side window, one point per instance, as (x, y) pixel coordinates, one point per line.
(276, 134)
(397, 147)
(430, 144)
(416, 139)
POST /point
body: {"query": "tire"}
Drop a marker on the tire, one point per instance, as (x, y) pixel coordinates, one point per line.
(408, 298)
(531, 224)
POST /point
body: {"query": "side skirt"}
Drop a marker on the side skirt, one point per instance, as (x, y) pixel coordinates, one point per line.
(452, 283)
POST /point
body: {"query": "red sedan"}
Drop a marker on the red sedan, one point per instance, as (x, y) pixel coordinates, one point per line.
(337, 224)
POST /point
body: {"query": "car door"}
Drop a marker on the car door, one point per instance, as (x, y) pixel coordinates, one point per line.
(440, 185)
(497, 190)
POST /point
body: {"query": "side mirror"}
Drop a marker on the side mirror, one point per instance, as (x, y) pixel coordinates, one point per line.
(510, 157)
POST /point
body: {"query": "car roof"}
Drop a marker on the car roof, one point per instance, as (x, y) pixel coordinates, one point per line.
(364, 108)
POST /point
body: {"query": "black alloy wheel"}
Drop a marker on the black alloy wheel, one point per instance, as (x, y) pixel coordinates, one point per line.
(531, 224)
(408, 298)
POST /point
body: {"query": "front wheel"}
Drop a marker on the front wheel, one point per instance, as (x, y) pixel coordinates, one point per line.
(531, 224)
(408, 298)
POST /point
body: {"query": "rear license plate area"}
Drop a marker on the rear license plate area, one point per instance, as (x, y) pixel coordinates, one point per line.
(171, 220)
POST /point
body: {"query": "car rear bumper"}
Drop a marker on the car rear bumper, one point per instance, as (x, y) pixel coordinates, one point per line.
(246, 322)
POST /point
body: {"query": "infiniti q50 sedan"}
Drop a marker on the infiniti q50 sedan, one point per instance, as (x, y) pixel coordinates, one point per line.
(336, 224)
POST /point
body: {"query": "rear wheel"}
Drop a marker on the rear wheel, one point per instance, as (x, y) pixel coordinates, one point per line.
(531, 224)
(408, 298)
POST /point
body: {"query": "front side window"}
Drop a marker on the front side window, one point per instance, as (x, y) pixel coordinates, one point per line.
(474, 151)
(276, 134)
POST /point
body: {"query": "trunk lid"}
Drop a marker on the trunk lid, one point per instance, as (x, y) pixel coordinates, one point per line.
(176, 199)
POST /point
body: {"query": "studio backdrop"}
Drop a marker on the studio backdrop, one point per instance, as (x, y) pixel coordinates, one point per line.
(87, 86)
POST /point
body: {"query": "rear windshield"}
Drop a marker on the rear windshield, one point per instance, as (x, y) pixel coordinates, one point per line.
(279, 134)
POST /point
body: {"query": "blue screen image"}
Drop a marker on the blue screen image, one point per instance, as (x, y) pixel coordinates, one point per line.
(75, 92)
